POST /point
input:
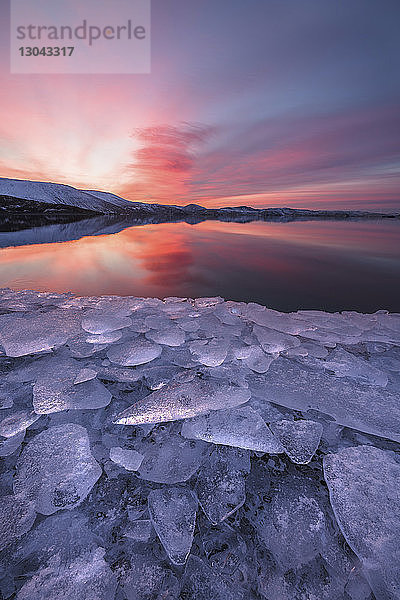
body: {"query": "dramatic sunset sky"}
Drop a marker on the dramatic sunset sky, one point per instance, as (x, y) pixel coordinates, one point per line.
(258, 102)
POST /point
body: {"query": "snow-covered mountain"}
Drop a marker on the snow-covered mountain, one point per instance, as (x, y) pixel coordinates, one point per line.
(28, 197)
(58, 194)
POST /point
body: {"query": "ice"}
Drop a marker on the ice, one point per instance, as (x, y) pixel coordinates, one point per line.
(65, 534)
(273, 341)
(300, 439)
(345, 364)
(147, 578)
(87, 577)
(220, 484)
(292, 524)
(172, 459)
(173, 336)
(272, 319)
(201, 583)
(85, 375)
(99, 322)
(37, 332)
(140, 530)
(10, 445)
(56, 469)
(17, 422)
(128, 459)
(254, 358)
(173, 513)
(56, 389)
(231, 419)
(105, 338)
(364, 489)
(371, 409)
(179, 400)
(134, 352)
(7, 392)
(210, 353)
(241, 427)
(16, 518)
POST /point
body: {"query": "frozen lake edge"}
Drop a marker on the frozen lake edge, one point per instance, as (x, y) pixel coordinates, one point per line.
(225, 448)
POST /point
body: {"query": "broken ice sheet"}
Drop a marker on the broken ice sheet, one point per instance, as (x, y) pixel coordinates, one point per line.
(345, 364)
(147, 578)
(16, 518)
(17, 422)
(140, 530)
(210, 353)
(56, 389)
(85, 375)
(86, 577)
(128, 459)
(99, 322)
(173, 513)
(220, 484)
(172, 336)
(292, 524)
(273, 341)
(371, 409)
(179, 400)
(241, 427)
(56, 469)
(364, 489)
(137, 351)
(10, 445)
(172, 459)
(255, 358)
(37, 331)
(300, 439)
(202, 583)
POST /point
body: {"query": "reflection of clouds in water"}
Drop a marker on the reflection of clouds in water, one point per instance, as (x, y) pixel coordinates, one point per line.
(284, 265)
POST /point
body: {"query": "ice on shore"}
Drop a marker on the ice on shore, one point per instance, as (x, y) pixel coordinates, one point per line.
(128, 459)
(173, 514)
(220, 484)
(364, 488)
(368, 408)
(197, 449)
(240, 427)
(137, 351)
(17, 422)
(300, 439)
(181, 400)
(16, 518)
(56, 469)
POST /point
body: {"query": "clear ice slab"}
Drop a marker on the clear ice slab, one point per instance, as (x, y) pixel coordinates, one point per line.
(137, 351)
(16, 518)
(371, 409)
(17, 422)
(128, 459)
(182, 400)
(87, 577)
(364, 489)
(173, 513)
(300, 439)
(173, 459)
(37, 332)
(241, 427)
(56, 469)
(220, 484)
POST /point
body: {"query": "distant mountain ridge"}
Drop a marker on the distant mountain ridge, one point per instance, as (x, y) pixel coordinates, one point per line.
(63, 203)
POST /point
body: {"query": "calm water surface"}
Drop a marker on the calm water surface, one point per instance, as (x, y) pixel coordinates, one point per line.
(286, 266)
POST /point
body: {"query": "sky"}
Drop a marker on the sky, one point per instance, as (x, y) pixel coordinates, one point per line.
(260, 103)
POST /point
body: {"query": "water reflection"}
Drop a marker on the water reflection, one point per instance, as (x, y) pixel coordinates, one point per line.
(329, 265)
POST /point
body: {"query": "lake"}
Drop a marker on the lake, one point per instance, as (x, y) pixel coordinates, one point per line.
(327, 265)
